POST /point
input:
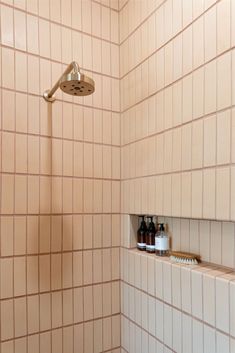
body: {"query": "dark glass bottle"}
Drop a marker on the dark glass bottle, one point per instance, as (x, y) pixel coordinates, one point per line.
(141, 234)
(150, 236)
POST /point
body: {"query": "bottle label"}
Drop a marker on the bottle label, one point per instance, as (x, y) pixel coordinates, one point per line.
(141, 245)
(150, 247)
(162, 243)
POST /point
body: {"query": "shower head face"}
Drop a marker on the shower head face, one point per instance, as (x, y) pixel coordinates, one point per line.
(77, 84)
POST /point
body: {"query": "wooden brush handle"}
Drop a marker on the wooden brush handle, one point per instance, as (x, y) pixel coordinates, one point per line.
(184, 255)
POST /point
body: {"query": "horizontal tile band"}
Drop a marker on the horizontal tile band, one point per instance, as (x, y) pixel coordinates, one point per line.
(64, 326)
(61, 252)
(55, 61)
(202, 117)
(58, 99)
(217, 166)
(59, 138)
(14, 7)
(59, 176)
(26, 295)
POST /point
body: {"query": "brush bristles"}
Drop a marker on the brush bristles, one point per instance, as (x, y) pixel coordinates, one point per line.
(183, 260)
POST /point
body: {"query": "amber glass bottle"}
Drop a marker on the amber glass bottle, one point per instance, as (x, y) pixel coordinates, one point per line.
(141, 234)
(150, 236)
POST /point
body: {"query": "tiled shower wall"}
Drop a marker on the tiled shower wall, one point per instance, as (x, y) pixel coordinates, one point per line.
(177, 65)
(60, 179)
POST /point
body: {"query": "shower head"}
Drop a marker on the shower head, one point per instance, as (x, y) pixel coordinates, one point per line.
(77, 84)
(71, 82)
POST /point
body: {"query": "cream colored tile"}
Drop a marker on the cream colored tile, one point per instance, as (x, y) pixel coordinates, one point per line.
(44, 38)
(187, 99)
(168, 63)
(223, 137)
(21, 72)
(209, 339)
(177, 330)
(210, 87)
(209, 193)
(20, 194)
(197, 144)
(167, 203)
(167, 289)
(232, 193)
(228, 244)
(167, 151)
(22, 112)
(20, 316)
(197, 336)
(55, 42)
(7, 25)
(177, 57)
(216, 243)
(20, 29)
(223, 194)
(197, 186)
(198, 42)
(187, 329)
(33, 313)
(187, 12)
(78, 304)
(223, 26)
(204, 230)
(209, 299)
(8, 152)
(44, 273)
(186, 146)
(168, 325)
(210, 141)
(177, 16)
(8, 110)
(7, 240)
(7, 317)
(224, 81)
(8, 76)
(45, 306)
(32, 34)
(222, 342)
(176, 289)
(19, 276)
(210, 33)
(177, 103)
(198, 93)
(21, 153)
(186, 288)
(222, 306)
(67, 264)
(32, 274)
(6, 278)
(168, 108)
(187, 49)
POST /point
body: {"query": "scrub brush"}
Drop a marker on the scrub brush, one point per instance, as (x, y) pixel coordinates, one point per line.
(184, 258)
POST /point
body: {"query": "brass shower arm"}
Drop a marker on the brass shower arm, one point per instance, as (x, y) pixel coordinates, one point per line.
(49, 95)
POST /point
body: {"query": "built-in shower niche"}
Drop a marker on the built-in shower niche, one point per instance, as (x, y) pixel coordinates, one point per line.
(213, 241)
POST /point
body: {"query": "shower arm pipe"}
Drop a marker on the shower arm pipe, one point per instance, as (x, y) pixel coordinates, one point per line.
(49, 95)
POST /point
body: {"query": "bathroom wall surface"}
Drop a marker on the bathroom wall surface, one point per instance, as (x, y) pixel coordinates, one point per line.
(177, 88)
(60, 179)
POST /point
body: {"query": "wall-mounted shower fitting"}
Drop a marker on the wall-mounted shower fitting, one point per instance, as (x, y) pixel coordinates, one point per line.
(72, 82)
